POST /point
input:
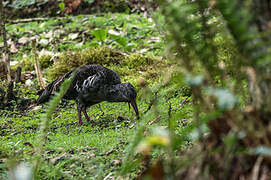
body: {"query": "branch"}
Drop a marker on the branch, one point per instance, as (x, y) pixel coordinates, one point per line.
(37, 19)
(26, 20)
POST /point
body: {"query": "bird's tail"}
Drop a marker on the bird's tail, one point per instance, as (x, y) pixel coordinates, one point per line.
(48, 91)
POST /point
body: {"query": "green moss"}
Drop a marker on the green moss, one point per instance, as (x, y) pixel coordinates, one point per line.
(124, 64)
(45, 62)
(136, 60)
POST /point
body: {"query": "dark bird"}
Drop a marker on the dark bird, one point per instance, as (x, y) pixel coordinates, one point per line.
(91, 85)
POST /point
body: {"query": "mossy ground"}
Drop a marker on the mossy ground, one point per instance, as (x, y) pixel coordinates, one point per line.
(87, 152)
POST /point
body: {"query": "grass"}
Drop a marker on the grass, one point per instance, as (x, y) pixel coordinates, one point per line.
(72, 151)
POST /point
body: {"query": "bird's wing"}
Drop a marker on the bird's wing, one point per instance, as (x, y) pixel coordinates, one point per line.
(91, 82)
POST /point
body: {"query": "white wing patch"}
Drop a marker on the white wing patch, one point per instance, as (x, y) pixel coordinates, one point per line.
(77, 88)
(89, 81)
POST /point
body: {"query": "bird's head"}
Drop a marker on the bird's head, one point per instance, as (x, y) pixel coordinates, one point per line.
(124, 92)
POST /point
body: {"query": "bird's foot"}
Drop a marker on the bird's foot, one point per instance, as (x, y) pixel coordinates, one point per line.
(80, 123)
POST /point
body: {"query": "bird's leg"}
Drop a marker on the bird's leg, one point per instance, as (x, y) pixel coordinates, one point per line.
(86, 114)
(134, 105)
(79, 116)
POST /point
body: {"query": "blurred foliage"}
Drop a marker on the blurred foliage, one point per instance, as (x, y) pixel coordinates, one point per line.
(225, 55)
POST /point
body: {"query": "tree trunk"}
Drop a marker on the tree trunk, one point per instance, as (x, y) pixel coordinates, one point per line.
(4, 36)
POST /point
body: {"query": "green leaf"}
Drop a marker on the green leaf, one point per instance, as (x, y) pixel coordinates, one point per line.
(122, 41)
(61, 6)
(130, 46)
(100, 34)
(89, 1)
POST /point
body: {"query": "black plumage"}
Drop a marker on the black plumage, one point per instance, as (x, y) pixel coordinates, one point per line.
(91, 85)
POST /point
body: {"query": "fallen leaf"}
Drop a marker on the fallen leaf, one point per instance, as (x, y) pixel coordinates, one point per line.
(143, 51)
(73, 165)
(91, 155)
(58, 158)
(116, 162)
(33, 38)
(13, 63)
(67, 172)
(73, 36)
(49, 34)
(42, 25)
(36, 108)
(44, 52)
(23, 40)
(114, 32)
(13, 48)
(44, 42)
(154, 39)
(79, 44)
(59, 31)
(9, 42)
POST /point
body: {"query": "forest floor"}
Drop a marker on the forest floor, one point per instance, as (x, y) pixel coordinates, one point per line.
(91, 151)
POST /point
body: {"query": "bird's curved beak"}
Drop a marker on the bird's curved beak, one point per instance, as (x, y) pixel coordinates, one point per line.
(134, 105)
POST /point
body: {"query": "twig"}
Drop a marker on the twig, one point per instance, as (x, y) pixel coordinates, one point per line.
(37, 19)
(26, 20)
(37, 67)
(256, 168)
(155, 120)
